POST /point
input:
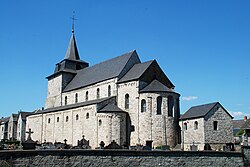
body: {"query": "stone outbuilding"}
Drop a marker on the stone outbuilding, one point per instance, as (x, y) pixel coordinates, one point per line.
(206, 124)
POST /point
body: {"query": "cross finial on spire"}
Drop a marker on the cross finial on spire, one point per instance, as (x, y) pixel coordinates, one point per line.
(73, 22)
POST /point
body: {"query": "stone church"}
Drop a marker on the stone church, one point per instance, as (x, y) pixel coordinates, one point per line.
(121, 99)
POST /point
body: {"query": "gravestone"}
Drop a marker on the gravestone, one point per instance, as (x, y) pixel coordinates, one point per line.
(148, 145)
(207, 146)
(113, 145)
(83, 144)
(194, 147)
(102, 144)
(29, 144)
(66, 146)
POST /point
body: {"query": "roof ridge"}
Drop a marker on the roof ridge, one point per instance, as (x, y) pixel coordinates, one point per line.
(112, 58)
(205, 104)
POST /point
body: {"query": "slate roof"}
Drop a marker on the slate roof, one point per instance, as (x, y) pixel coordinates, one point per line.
(111, 108)
(200, 111)
(72, 52)
(105, 70)
(4, 120)
(156, 86)
(241, 124)
(14, 117)
(24, 114)
(135, 72)
(71, 106)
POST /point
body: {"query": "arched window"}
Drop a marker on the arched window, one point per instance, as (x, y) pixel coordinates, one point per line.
(100, 122)
(185, 126)
(143, 105)
(67, 118)
(65, 100)
(127, 101)
(109, 91)
(170, 106)
(49, 121)
(159, 103)
(76, 98)
(77, 116)
(57, 119)
(98, 93)
(215, 125)
(87, 96)
(195, 125)
(87, 116)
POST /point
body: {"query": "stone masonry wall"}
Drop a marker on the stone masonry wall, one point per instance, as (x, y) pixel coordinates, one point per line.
(92, 92)
(224, 132)
(193, 135)
(111, 158)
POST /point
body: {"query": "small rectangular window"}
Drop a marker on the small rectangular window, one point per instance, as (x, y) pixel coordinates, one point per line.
(215, 125)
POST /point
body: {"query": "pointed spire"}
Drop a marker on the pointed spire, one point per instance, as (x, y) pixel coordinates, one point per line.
(72, 52)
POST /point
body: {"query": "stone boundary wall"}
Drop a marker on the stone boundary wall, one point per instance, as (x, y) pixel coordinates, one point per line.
(246, 155)
(115, 158)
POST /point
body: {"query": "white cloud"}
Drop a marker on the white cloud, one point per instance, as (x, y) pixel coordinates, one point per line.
(237, 113)
(189, 98)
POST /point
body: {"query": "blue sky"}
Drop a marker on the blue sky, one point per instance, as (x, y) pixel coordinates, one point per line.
(202, 45)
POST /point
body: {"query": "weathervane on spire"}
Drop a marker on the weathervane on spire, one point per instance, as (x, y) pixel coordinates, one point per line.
(73, 22)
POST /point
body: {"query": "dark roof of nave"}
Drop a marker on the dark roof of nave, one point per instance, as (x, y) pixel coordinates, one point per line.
(136, 71)
(156, 86)
(72, 106)
(198, 111)
(111, 108)
(105, 70)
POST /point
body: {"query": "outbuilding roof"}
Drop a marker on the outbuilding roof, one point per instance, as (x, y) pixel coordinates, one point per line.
(201, 111)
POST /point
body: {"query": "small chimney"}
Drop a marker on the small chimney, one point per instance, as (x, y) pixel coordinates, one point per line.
(245, 118)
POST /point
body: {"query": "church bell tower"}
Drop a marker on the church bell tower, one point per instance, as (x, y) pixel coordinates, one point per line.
(64, 72)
